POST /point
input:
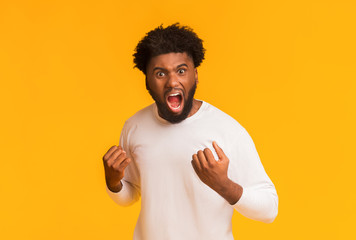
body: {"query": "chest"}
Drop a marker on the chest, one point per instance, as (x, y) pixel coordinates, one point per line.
(168, 149)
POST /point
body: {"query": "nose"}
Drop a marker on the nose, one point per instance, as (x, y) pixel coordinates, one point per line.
(172, 81)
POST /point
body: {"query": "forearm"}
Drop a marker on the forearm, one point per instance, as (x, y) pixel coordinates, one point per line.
(127, 195)
(230, 190)
(259, 203)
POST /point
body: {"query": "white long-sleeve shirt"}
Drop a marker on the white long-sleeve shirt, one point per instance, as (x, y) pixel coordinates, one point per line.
(175, 203)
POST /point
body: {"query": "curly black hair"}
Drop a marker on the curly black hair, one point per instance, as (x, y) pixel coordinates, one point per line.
(174, 38)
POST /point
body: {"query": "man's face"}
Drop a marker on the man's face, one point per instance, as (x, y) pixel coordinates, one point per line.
(171, 80)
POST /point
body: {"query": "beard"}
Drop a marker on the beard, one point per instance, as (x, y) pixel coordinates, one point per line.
(163, 109)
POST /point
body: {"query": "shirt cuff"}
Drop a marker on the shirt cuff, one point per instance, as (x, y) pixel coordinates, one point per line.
(244, 199)
(118, 195)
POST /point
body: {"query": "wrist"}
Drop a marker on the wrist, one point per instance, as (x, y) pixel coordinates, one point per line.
(223, 186)
(230, 190)
(115, 187)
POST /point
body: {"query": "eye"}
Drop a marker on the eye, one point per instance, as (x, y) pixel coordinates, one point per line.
(160, 74)
(181, 71)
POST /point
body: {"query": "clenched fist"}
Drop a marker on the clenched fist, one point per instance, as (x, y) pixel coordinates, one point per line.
(115, 162)
(214, 173)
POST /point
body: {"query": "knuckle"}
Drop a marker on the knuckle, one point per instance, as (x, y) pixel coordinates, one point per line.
(112, 148)
(204, 167)
(116, 167)
(116, 154)
(120, 158)
(121, 168)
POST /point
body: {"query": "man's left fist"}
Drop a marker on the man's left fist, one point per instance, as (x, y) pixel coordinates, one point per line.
(210, 171)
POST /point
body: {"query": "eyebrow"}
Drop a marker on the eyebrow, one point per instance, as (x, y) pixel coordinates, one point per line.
(158, 68)
(180, 65)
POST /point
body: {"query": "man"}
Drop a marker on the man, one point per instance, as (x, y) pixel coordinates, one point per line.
(191, 163)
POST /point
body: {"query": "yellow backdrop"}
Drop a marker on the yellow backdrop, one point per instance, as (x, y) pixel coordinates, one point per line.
(286, 70)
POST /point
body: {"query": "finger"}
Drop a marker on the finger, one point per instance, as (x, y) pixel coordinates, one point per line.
(109, 152)
(124, 164)
(195, 167)
(219, 151)
(209, 156)
(196, 163)
(119, 160)
(202, 160)
(116, 152)
(114, 156)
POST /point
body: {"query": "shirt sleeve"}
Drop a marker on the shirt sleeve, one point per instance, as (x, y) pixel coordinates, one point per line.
(259, 200)
(130, 192)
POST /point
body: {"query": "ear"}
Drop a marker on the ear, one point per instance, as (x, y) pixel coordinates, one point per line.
(196, 75)
(146, 82)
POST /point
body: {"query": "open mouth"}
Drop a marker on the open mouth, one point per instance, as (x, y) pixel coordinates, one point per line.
(174, 102)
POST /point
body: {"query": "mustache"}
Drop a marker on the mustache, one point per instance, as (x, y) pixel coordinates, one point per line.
(162, 108)
(180, 90)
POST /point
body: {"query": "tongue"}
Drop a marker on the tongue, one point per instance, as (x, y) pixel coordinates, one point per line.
(174, 101)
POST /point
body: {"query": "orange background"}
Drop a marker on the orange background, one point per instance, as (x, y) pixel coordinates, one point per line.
(284, 69)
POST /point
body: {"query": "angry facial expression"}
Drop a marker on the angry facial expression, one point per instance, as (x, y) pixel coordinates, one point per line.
(171, 80)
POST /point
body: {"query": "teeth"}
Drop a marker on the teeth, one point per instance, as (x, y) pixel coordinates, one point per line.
(172, 95)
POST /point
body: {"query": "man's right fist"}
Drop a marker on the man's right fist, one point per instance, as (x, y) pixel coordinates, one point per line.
(115, 162)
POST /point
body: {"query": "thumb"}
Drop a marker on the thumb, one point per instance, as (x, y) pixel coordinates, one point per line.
(219, 151)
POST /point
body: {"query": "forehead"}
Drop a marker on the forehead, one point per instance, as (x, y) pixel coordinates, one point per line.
(170, 60)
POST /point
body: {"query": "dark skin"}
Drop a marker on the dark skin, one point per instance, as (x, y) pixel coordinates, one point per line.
(175, 73)
(115, 162)
(172, 73)
(214, 173)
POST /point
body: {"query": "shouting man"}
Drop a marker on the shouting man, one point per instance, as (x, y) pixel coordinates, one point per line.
(190, 163)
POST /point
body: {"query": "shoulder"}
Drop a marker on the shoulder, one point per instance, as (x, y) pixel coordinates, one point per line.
(144, 113)
(140, 117)
(219, 115)
(225, 122)
(233, 131)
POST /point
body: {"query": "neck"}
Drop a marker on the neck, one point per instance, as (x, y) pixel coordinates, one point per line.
(196, 105)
